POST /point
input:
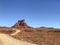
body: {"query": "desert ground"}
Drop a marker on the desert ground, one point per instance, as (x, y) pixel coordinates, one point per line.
(23, 34)
(5, 39)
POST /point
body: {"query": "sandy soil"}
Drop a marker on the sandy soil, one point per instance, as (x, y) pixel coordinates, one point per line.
(8, 40)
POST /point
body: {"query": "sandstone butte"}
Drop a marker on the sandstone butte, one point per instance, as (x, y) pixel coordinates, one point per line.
(23, 32)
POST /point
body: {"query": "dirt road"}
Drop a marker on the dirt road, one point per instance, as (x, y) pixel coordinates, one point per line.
(8, 40)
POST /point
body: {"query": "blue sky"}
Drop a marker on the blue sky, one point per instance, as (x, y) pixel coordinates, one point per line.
(35, 12)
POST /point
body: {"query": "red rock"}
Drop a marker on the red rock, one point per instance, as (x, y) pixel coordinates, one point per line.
(20, 24)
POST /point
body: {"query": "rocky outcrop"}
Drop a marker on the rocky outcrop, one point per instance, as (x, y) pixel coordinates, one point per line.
(20, 24)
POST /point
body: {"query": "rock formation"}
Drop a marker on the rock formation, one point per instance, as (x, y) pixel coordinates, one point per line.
(20, 24)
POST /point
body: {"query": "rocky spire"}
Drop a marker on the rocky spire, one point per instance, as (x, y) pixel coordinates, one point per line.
(20, 24)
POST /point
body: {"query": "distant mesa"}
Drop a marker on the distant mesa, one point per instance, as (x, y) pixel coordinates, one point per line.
(20, 24)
